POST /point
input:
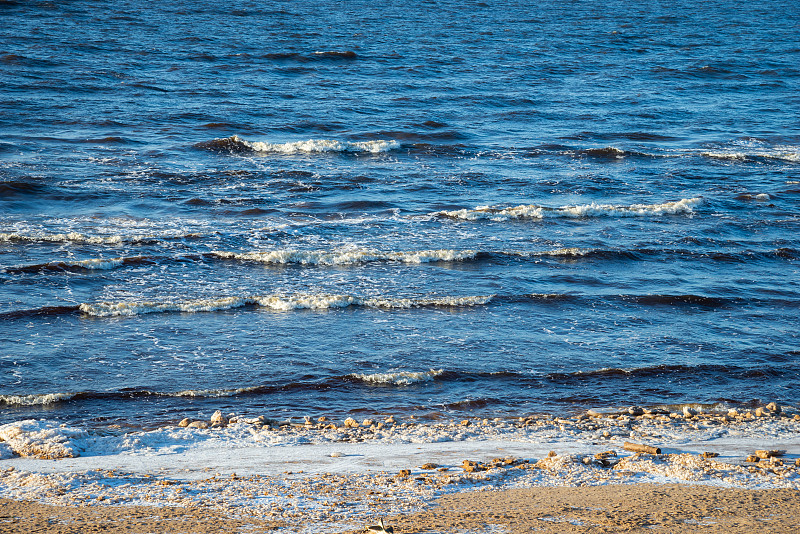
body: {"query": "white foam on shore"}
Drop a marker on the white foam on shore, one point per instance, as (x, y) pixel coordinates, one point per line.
(320, 145)
(341, 473)
(275, 302)
(347, 256)
(533, 211)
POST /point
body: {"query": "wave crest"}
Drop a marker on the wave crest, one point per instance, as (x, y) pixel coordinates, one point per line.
(42, 399)
(532, 211)
(276, 302)
(399, 378)
(347, 257)
(237, 144)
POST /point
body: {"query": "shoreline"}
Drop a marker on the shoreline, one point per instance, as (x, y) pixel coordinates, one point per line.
(343, 473)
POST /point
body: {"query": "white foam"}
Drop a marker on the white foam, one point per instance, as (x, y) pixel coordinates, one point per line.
(69, 237)
(43, 439)
(331, 474)
(789, 154)
(321, 145)
(274, 302)
(532, 211)
(400, 378)
(42, 399)
(347, 256)
(77, 237)
(212, 392)
(567, 251)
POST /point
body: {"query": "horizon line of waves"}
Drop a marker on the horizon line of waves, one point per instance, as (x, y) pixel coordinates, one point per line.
(236, 144)
(77, 237)
(397, 378)
(347, 257)
(327, 302)
(533, 211)
(96, 264)
(277, 303)
(410, 378)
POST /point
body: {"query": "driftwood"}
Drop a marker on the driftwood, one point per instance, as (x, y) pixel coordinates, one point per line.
(638, 447)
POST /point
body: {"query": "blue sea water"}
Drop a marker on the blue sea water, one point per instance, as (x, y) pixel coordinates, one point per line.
(439, 208)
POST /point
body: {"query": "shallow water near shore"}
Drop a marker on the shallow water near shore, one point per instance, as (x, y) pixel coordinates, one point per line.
(447, 210)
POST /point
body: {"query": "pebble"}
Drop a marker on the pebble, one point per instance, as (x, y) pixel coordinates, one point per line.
(764, 454)
(350, 423)
(219, 419)
(185, 422)
(198, 424)
(773, 407)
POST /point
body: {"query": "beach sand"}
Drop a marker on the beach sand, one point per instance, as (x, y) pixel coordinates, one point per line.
(616, 508)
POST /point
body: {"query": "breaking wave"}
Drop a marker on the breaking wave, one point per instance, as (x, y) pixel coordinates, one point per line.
(97, 264)
(788, 154)
(532, 211)
(77, 237)
(274, 302)
(237, 144)
(347, 257)
(35, 399)
(399, 378)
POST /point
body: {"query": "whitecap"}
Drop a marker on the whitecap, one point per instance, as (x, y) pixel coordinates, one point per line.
(275, 302)
(532, 211)
(400, 378)
(321, 145)
(42, 399)
(347, 256)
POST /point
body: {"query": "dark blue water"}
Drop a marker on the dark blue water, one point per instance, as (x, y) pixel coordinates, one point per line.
(370, 207)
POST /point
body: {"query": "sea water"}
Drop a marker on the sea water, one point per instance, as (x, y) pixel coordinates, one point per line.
(439, 209)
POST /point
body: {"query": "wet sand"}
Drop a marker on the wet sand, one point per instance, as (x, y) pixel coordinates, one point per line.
(651, 508)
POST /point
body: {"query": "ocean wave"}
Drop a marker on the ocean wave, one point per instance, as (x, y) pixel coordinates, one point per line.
(77, 237)
(96, 264)
(788, 154)
(274, 302)
(42, 399)
(347, 256)
(532, 211)
(399, 378)
(210, 393)
(237, 144)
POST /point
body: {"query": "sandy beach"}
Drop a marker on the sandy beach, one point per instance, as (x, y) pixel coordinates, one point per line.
(711, 471)
(664, 508)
